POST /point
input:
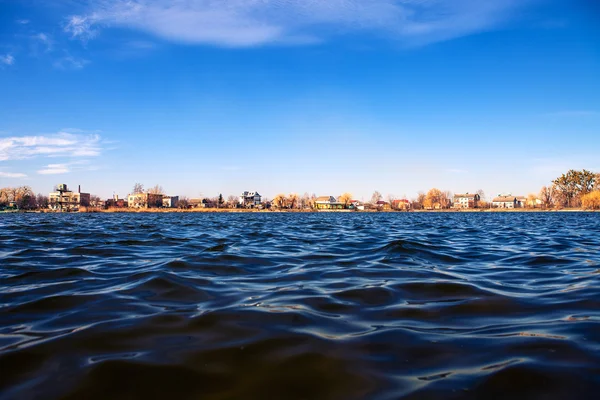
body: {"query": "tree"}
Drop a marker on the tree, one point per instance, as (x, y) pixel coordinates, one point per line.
(345, 198)
(531, 200)
(232, 201)
(95, 201)
(447, 199)
(220, 201)
(417, 204)
(25, 198)
(305, 200)
(573, 185)
(292, 200)
(183, 203)
(4, 197)
(280, 201)
(434, 199)
(41, 201)
(376, 197)
(156, 190)
(138, 188)
(547, 196)
(591, 201)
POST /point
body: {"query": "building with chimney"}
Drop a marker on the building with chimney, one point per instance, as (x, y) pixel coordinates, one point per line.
(63, 199)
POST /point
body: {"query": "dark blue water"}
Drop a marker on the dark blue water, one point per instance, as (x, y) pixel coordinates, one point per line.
(300, 306)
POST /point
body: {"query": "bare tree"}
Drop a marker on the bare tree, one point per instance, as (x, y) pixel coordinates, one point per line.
(183, 203)
(232, 201)
(547, 196)
(305, 200)
(157, 189)
(138, 188)
(41, 201)
(376, 197)
(95, 201)
(481, 194)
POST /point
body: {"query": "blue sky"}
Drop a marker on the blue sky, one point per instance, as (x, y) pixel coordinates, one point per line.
(206, 97)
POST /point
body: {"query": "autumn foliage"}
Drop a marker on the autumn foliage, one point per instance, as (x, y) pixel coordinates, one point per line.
(591, 201)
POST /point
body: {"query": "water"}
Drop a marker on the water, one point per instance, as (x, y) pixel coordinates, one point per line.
(300, 306)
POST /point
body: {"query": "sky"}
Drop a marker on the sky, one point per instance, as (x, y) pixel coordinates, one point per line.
(277, 96)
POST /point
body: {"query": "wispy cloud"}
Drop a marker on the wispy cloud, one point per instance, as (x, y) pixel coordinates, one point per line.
(54, 169)
(22, 21)
(7, 59)
(240, 23)
(82, 27)
(12, 175)
(45, 40)
(70, 62)
(62, 144)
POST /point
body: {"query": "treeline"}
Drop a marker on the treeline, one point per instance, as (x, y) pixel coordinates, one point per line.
(22, 198)
(573, 189)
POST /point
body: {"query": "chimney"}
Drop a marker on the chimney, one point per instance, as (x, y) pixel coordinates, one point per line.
(79, 189)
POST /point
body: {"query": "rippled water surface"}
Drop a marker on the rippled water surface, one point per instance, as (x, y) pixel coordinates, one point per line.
(300, 306)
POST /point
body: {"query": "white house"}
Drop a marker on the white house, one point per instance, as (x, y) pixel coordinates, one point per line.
(250, 199)
(170, 201)
(467, 200)
(505, 202)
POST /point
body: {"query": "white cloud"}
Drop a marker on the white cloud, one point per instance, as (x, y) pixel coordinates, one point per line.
(62, 144)
(12, 175)
(81, 27)
(70, 62)
(54, 169)
(7, 59)
(254, 22)
(22, 21)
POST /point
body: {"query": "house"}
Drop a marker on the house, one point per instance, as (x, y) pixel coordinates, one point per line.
(115, 202)
(401, 204)
(505, 201)
(328, 203)
(170, 201)
(521, 201)
(354, 204)
(63, 199)
(467, 200)
(249, 199)
(199, 203)
(383, 205)
(145, 200)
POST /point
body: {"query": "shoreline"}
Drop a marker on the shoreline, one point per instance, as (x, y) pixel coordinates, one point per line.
(227, 210)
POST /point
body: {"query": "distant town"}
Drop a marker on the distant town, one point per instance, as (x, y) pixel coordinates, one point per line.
(573, 190)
